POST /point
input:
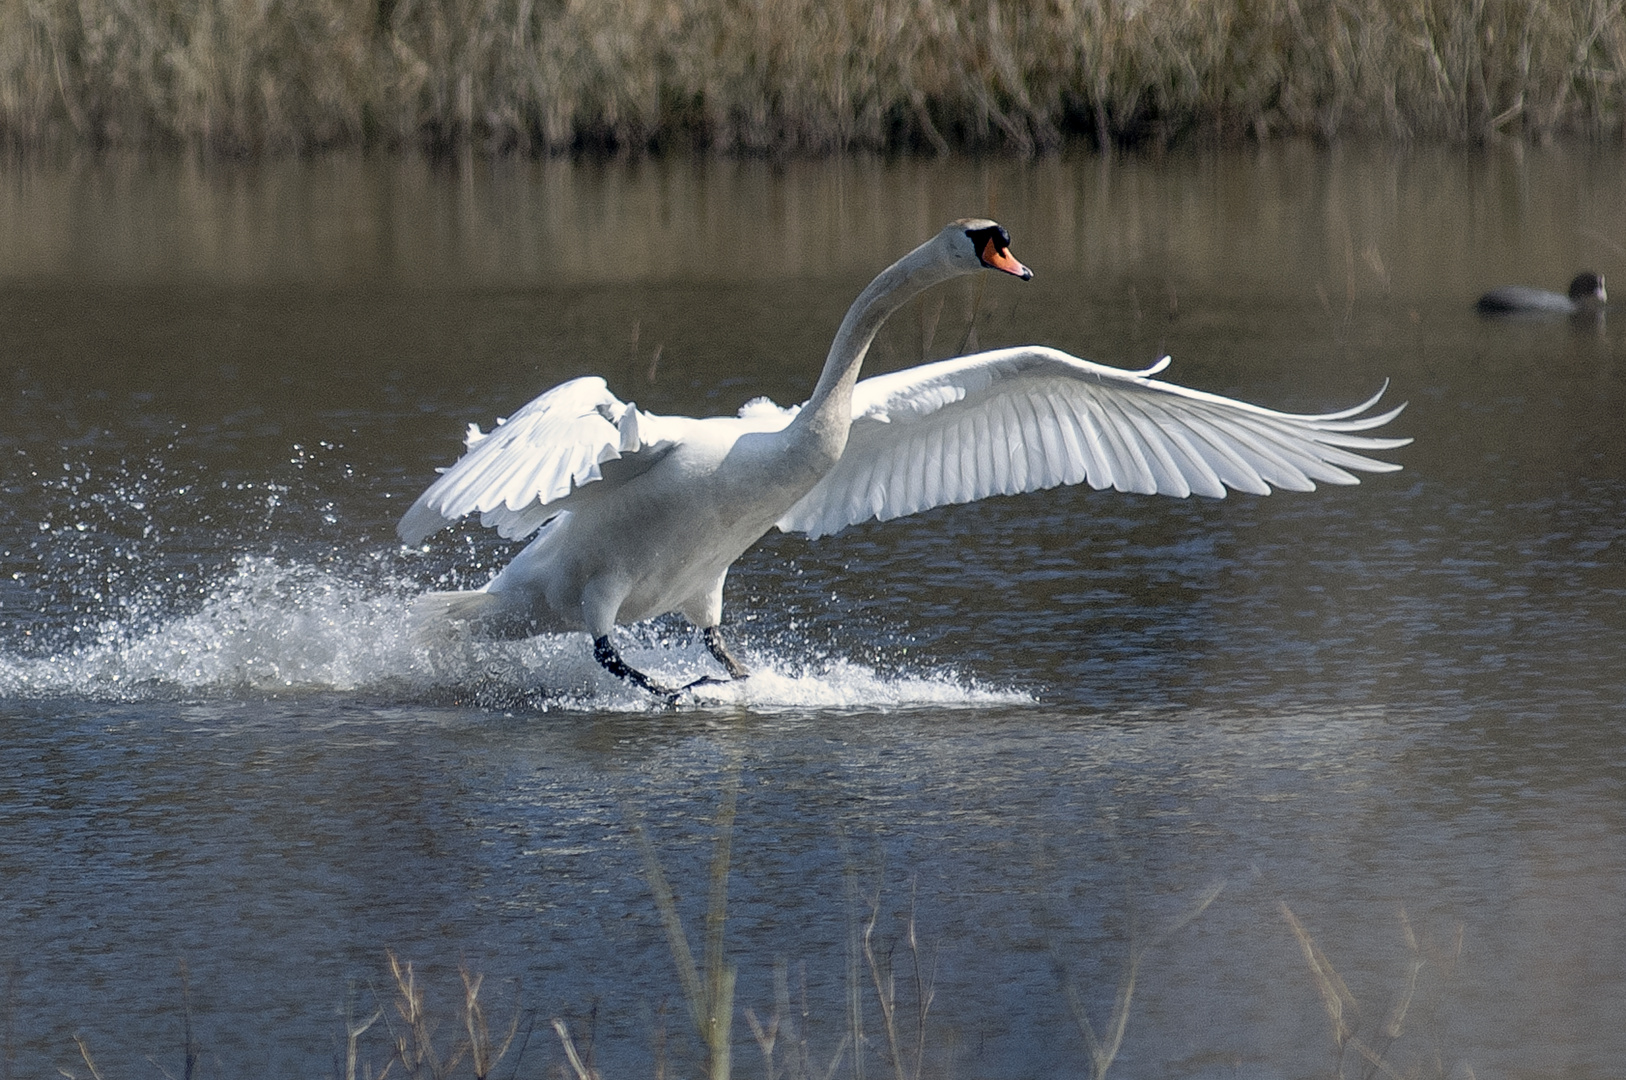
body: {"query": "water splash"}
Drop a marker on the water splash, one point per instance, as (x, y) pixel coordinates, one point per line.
(273, 626)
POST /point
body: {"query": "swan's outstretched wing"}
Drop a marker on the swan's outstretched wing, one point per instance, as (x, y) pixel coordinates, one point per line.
(536, 457)
(1027, 418)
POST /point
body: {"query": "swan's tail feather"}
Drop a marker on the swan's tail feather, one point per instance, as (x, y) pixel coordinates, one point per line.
(440, 616)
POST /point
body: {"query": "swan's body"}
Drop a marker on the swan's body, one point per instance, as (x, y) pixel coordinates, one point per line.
(642, 515)
(1585, 296)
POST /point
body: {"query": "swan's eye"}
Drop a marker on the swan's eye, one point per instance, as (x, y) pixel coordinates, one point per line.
(994, 234)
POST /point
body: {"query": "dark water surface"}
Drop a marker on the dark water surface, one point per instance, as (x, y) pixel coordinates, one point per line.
(230, 779)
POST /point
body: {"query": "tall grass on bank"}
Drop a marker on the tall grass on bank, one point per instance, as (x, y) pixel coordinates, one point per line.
(249, 76)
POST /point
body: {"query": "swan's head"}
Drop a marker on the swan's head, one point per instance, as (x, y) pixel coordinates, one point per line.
(978, 244)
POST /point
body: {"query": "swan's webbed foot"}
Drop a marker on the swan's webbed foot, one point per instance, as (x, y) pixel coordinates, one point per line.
(714, 642)
(610, 658)
(607, 656)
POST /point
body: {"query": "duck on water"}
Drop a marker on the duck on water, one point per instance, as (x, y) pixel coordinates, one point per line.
(1585, 296)
(637, 515)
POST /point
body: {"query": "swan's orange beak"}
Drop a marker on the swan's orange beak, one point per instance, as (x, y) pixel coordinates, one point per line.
(999, 258)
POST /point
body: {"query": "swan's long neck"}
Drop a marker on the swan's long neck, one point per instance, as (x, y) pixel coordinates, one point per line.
(828, 413)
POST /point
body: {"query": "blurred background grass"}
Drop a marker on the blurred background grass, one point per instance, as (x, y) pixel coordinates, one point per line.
(800, 76)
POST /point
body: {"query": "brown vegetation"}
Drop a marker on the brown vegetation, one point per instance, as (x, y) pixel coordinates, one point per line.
(250, 76)
(417, 1045)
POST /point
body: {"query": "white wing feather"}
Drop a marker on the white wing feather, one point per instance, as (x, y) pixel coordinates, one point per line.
(1022, 419)
(542, 453)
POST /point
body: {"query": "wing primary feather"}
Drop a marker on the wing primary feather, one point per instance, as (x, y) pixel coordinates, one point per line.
(948, 456)
(1273, 467)
(1136, 471)
(999, 462)
(970, 481)
(1015, 447)
(1070, 454)
(1103, 475)
(1352, 411)
(936, 467)
(1056, 464)
(983, 464)
(1240, 473)
(877, 490)
(1040, 440)
(914, 473)
(852, 500)
(1129, 471)
(1201, 476)
(1315, 460)
(867, 495)
(1166, 472)
(1028, 447)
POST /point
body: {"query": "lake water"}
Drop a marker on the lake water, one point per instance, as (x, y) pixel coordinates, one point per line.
(231, 781)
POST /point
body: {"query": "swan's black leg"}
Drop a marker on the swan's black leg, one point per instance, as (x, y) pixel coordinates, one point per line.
(606, 655)
(714, 642)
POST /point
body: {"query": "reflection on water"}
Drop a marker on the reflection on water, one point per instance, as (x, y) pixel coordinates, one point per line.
(1048, 723)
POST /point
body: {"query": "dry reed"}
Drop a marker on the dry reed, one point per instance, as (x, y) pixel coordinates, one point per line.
(415, 1047)
(1372, 1054)
(905, 1065)
(1103, 1047)
(709, 993)
(799, 75)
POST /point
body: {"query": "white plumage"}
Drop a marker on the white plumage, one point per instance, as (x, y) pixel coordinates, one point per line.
(1029, 418)
(638, 514)
(514, 474)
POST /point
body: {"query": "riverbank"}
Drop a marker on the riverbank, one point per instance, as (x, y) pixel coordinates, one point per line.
(800, 76)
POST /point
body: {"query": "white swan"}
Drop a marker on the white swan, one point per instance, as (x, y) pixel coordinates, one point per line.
(642, 514)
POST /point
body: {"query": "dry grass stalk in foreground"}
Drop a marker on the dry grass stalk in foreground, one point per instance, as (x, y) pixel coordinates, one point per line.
(577, 1068)
(415, 1049)
(1103, 1051)
(710, 999)
(788, 1027)
(415, 1053)
(800, 75)
(354, 1029)
(191, 1053)
(886, 990)
(1373, 1052)
(84, 1053)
